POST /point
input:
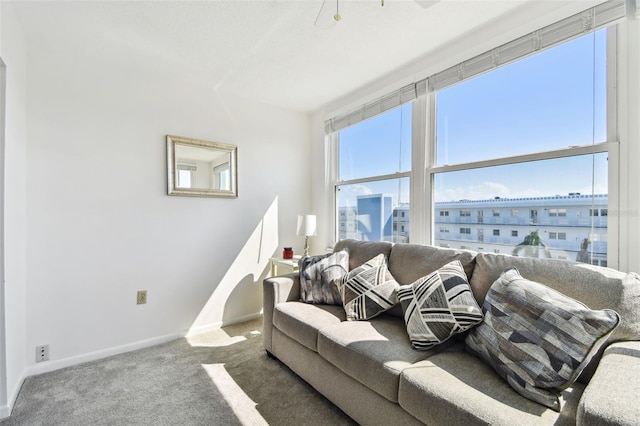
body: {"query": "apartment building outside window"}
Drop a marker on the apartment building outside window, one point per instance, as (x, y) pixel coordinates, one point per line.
(557, 212)
(598, 212)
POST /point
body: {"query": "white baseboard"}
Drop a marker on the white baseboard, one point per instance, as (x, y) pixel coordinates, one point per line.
(242, 319)
(53, 365)
(5, 410)
(204, 328)
(219, 324)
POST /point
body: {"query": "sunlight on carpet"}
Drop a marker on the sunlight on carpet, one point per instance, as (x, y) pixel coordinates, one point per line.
(243, 407)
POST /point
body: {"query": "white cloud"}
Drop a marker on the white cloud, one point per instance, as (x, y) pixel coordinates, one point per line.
(349, 194)
(488, 190)
(482, 191)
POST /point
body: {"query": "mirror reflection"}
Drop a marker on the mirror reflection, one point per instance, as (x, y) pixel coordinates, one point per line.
(201, 168)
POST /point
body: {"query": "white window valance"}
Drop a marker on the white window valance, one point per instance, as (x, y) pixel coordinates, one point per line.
(574, 26)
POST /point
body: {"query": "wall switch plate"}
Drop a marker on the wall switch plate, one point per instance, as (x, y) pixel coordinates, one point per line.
(42, 353)
(142, 297)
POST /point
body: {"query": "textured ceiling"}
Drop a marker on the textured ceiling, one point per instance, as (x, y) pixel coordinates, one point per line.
(270, 51)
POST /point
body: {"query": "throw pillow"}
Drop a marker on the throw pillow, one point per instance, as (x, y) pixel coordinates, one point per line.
(537, 339)
(368, 290)
(320, 277)
(438, 306)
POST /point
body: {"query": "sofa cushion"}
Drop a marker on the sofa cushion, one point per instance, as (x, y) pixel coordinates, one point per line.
(301, 321)
(320, 277)
(438, 306)
(456, 388)
(363, 405)
(595, 286)
(361, 251)
(368, 290)
(372, 352)
(536, 338)
(614, 390)
(408, 262)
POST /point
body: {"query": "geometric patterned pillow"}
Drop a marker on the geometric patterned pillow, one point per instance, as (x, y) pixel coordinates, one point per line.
(320, 277)
(438, 306)
(538, 339)
(368, 290)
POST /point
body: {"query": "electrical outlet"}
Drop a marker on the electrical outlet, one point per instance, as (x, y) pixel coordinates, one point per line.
(142, 297)
(42, 353)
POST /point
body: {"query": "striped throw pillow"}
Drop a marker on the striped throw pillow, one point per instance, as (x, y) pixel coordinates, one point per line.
(369, 290)
(537, 339)
(438, 306)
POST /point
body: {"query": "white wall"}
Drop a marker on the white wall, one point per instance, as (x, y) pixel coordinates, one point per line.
(3, 354)
(13, 53)
(629, 130)
(101, 227)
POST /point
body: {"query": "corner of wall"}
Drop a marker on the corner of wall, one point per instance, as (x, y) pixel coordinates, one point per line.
(13, 159)
(5, 410)
(4, 406)
(320, 203)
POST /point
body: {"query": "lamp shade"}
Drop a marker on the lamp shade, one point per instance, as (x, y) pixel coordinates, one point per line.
(307, 225)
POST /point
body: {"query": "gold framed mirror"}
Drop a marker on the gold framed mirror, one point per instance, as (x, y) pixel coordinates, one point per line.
(198, 168)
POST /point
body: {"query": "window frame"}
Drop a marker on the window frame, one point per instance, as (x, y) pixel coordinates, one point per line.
(424, 169)
(333, 169)
(610, 147)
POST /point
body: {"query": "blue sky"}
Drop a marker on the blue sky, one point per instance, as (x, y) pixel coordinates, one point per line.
(541, 103)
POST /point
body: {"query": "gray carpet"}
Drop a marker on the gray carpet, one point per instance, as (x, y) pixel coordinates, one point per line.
(223, 377)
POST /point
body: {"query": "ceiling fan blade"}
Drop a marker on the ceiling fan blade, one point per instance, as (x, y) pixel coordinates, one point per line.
(325, 18)
(319, 12)
(426, 3)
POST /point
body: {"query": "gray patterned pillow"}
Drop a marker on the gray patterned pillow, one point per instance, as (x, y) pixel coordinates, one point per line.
(368, 290)
(320, 277)
(438, 306)
(536, 338)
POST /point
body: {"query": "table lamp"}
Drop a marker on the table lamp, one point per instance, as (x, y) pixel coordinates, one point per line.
(307, 227)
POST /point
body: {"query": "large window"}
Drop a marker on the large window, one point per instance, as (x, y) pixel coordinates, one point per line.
(372, 196)
(516, 150)
(530, 136)
(551, 100)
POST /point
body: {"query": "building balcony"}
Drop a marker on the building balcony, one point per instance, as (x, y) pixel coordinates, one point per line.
(573, 222)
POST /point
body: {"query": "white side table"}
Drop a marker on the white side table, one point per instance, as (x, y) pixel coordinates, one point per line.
(280, 266)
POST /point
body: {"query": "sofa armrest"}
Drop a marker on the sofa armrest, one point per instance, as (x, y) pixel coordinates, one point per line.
(612, 396)
(276, 290)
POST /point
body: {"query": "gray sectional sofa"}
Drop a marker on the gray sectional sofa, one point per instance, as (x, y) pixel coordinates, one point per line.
(370, 370)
